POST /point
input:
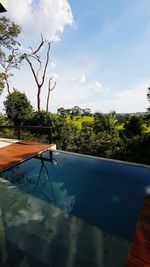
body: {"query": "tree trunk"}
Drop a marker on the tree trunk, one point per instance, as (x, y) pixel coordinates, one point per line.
(38, 100)
(48, 98)
(49, 92)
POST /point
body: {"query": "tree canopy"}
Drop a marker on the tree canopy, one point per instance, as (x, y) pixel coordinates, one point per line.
(9, 32)
(18, 107)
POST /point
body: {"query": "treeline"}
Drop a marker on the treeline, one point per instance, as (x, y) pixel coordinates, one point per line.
(75, 111)
(123, 137)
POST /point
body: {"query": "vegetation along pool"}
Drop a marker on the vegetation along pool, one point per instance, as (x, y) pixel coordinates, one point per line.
(80, 210)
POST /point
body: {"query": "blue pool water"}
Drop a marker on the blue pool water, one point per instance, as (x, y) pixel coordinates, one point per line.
(103, 193)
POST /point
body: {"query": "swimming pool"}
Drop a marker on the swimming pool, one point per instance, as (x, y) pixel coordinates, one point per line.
(102, 199)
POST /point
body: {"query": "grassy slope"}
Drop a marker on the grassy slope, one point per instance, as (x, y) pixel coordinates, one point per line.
(78, 120)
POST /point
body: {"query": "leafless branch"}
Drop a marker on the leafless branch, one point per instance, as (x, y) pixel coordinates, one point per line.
(50, 89)
(41, 44)
(32, 69)
(46, 64)
(36, 70)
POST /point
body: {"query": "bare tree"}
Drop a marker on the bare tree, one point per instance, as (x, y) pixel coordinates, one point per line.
(38, 70)
(49, 92)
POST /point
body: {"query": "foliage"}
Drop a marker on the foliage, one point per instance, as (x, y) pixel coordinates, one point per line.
(78, 121)
(148, 98)
(9, 32)
(75, 111)
(133, 127)
(64, 134)
(104, 122)
(101, 144)
(3, 120)
(2, 85)
(136, 149)
(99, 135)
(40, 118)
(63, 112)
(18, 107)
(5, 132)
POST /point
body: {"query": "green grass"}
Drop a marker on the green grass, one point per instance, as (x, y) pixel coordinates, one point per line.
(78, 120)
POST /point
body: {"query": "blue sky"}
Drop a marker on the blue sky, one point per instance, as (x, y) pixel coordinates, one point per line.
(102, 58)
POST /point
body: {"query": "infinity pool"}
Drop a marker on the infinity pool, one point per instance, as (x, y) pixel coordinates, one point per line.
(98, 201)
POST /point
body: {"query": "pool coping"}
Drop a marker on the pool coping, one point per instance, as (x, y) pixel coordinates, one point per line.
(7, 142)
(105, 159)
(53, 148)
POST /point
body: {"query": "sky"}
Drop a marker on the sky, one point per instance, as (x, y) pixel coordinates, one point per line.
(99, 55)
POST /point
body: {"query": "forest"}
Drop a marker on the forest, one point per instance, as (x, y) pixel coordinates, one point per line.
(117, 136)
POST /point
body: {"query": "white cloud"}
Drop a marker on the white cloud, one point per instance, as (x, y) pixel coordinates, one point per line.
(49, 17)
(53, 65)
(97, 87)
(23, 49)
(54, 76)
(69, 94)
(125, 101)
(81, 79)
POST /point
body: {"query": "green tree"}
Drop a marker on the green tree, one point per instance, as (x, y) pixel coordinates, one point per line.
(3, 122)
(76, 111)
(2, 82)
(61, 111)
(133, 127)
(101, 122)
(148, 98)
(86, 112)
(9, 32)
(9, 56)
(18, 107)
(41, 118)
(136, 149)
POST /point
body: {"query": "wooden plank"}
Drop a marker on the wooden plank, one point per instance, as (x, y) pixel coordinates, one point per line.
(19, 151)
(139, 254)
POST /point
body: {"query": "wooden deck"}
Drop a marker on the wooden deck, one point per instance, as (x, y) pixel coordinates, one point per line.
(19, 151)
(139, 254)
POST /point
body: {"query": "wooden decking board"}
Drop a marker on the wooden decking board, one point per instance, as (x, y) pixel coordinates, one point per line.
(19, 151)
(139, 254)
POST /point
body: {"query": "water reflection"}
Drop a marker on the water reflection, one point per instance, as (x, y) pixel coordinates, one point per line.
(105, 194)
(147, 190)
(34, 233)
(41, 184)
